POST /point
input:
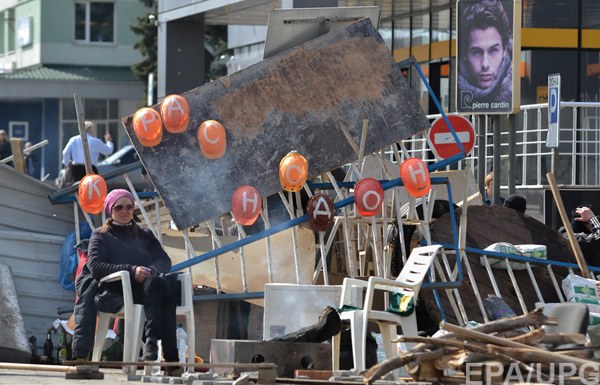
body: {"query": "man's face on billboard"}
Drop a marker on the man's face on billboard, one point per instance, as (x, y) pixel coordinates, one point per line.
(485, 55)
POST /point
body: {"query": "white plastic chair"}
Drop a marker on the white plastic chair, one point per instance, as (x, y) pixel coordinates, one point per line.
(408, 283)
(134, 318)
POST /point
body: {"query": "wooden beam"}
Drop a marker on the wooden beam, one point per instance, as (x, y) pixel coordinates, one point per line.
(18, 156)
(567, 224)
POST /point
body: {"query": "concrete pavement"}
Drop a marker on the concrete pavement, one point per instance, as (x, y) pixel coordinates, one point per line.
(35, 377)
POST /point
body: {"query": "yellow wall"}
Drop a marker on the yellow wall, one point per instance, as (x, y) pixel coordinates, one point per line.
(530, 38)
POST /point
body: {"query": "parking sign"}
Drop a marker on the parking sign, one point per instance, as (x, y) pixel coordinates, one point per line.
(553, 110)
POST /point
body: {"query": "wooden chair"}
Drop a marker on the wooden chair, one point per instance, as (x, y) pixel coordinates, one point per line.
(405, 288)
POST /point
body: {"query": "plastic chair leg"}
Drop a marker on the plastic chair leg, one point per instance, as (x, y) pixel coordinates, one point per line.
(191, 339)
(359, 334)
(134, 328)
(335, 351)
(410, 329)
(103, 323)
(388, 333)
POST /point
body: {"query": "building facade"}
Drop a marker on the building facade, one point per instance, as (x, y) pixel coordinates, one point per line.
(557, 37)
(53, 49)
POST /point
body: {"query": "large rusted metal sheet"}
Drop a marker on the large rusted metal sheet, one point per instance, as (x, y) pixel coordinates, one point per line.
(310, 99)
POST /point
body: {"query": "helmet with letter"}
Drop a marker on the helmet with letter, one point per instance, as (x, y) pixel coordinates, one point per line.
(368, 196)
(212, 139)
(92, 192)
(246, 205)
(415, 175)
(147, 125)
(175, 113)
(321, 212)
(293, 170)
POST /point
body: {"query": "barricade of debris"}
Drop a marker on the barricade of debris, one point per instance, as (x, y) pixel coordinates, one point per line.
(496, 352)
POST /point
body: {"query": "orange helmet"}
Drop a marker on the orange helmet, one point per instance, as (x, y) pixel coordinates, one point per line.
(321, 212)
(92, 192)
(293, 169)
(415, 175)
(175, 113)
(368, 196)
(148, 126)
(246, 204)
(212, 139)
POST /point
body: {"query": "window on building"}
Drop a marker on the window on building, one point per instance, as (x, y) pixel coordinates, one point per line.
(590, 14)
(103, 112)
(440, 25)
(420, 30)
(402, 33)
(94, 21)
(550, 14)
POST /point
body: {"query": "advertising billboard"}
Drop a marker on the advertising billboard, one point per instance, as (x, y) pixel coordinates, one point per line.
(488, 52)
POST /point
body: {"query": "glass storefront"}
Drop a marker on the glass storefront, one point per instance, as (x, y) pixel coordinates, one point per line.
(418, 30)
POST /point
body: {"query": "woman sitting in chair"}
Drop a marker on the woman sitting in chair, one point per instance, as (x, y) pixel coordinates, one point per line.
(120, 244)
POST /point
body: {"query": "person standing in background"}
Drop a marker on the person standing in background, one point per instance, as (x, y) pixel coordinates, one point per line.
(31, 161)
(489, 190)
(73, 154)
(516, 202)
(5, 148)
(586, 227)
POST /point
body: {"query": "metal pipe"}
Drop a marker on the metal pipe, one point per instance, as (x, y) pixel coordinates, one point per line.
(534, 283)
(215, 241)
(241, 234)
(264, 214)
(323, 258)
(512, 154)
(497, 127)
(76, 217)
(481, 149)
(555, 283)
(139, 202)
(158, 222)
(513, 279)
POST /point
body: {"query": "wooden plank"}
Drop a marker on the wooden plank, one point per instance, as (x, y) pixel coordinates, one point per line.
(302, 99)
(585, 273)
(18, 156)
(83, 133)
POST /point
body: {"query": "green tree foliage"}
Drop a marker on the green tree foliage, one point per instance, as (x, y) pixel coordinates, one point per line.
(215, 55)
(148, 47)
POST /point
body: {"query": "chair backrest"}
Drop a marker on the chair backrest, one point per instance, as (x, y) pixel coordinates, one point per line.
(573, 318)
(417, 265)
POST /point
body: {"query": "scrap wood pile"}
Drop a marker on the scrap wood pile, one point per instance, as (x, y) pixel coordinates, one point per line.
(461, 347)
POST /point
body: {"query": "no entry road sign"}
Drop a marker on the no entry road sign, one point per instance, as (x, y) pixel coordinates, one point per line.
(443, 141)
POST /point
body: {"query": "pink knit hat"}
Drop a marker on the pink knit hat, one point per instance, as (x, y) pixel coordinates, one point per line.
(113, 197)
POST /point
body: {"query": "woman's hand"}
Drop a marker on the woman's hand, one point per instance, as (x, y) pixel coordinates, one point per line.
(142, 273)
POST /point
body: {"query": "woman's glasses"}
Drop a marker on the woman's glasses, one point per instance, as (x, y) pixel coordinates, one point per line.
(118, 208)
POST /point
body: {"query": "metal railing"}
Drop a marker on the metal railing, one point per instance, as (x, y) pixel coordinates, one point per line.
(578, 162)
(555, 271)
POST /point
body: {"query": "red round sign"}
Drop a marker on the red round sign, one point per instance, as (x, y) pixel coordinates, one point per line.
(443, 141)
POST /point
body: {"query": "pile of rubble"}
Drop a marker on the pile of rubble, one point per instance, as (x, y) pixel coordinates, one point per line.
(495, 352)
